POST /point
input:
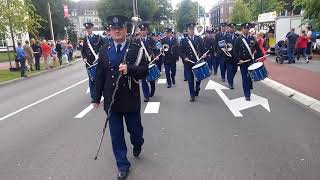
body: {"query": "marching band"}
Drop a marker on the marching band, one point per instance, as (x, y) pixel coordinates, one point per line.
(118, 63)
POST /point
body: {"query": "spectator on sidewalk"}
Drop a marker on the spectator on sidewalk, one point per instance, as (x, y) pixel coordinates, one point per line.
(261, 44)
(36, 53)
(21, 58)
(302, 45)
(70, 51)
(80, 45)
(59, 51)
(54, 56)
(46, 50)
(29, 54)
(65, 53)
(292, 40)
(309, 45)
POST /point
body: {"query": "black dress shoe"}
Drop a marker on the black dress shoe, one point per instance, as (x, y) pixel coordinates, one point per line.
(169, 86)
(192, 99)
(223, 80)
(231, 86)
(122, 175)
(184, 80)
(146, 99)
(248, 99)
(136, 151)
(24, 76)
(173, 81)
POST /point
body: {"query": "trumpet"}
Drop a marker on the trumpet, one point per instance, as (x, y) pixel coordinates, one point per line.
(226, 47)
(163, 48)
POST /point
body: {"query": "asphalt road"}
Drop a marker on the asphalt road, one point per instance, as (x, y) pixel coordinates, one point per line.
(183, 141)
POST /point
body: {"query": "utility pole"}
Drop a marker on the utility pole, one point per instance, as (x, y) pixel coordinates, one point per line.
(50, 22)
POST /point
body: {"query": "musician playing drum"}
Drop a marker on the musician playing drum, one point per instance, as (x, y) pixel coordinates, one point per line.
(150, 46)
(245, 51)
(189, 58)
(170, 58)
(231, 63)
(121, 95)
(96, 42)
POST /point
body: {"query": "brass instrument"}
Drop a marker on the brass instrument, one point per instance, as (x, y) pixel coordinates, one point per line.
(226, 47)
(163, 48)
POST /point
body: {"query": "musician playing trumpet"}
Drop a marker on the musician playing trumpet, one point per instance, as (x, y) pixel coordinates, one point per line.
(189, 58)
(245, 52)
(231, 63)
(170, 57)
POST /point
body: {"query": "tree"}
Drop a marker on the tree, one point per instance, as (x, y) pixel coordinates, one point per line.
(163, 14)
(58, 20)
(311, 11)
(146, 8)
(263, 6)
(187, 12)
(19, 16)
(242, 16)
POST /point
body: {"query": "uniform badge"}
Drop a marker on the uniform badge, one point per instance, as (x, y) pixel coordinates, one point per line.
(115, 20)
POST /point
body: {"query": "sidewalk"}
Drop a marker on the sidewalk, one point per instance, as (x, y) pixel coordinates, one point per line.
(302, 77)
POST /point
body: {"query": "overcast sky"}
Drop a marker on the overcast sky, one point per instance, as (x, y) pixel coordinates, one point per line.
(205, 3)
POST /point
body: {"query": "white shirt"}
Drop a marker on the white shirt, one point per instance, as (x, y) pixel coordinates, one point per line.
(122, 44)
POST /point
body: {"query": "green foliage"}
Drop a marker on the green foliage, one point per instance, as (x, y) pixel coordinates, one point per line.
(148, 10)
(263, 6)
(187, 12)
(19, 15)
(242, 16)
(164, 12)
(57, 15)
(311, 11)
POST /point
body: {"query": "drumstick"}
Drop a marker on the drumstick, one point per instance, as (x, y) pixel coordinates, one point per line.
(255, 60)
(203, 55)
(189, 61)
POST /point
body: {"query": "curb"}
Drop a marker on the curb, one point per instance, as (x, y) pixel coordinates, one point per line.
(306, 100)
(38, 73)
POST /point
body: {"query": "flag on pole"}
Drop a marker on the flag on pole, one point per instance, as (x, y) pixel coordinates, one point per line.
(66, 11)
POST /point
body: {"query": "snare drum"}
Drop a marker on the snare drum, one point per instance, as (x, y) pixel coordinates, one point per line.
(201, 71)
(154, 73)
(92, 71)
(257, 71)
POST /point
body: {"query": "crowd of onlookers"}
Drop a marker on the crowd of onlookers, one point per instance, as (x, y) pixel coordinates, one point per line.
(300, 44)
(53, 54)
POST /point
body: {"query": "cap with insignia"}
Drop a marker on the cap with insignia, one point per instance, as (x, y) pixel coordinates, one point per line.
(88, 25)
(209, 29)
(118, 21)
(152, 34)
(190, 25)
(232, 25)
(223, 24)
(168, 29)
(246, 25)
(143, 26)
(108, 28)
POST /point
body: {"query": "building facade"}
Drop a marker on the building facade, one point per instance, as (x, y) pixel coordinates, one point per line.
(7, 43)
(82, 12)
(221, 12)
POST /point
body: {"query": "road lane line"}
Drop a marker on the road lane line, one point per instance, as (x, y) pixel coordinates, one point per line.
(41, 100)
(162, 81)
(152, 108)
(86, 110)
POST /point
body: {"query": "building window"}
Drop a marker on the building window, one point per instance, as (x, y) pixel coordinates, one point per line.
(3, 42)
(19, 37)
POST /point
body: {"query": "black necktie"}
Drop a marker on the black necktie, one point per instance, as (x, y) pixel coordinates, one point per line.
(119, 48)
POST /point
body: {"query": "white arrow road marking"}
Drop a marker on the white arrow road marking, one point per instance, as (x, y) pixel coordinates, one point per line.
(239, 104)
(152, 108)
(162, 81)
(88, 90)
(41, 100)
(86, 110)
